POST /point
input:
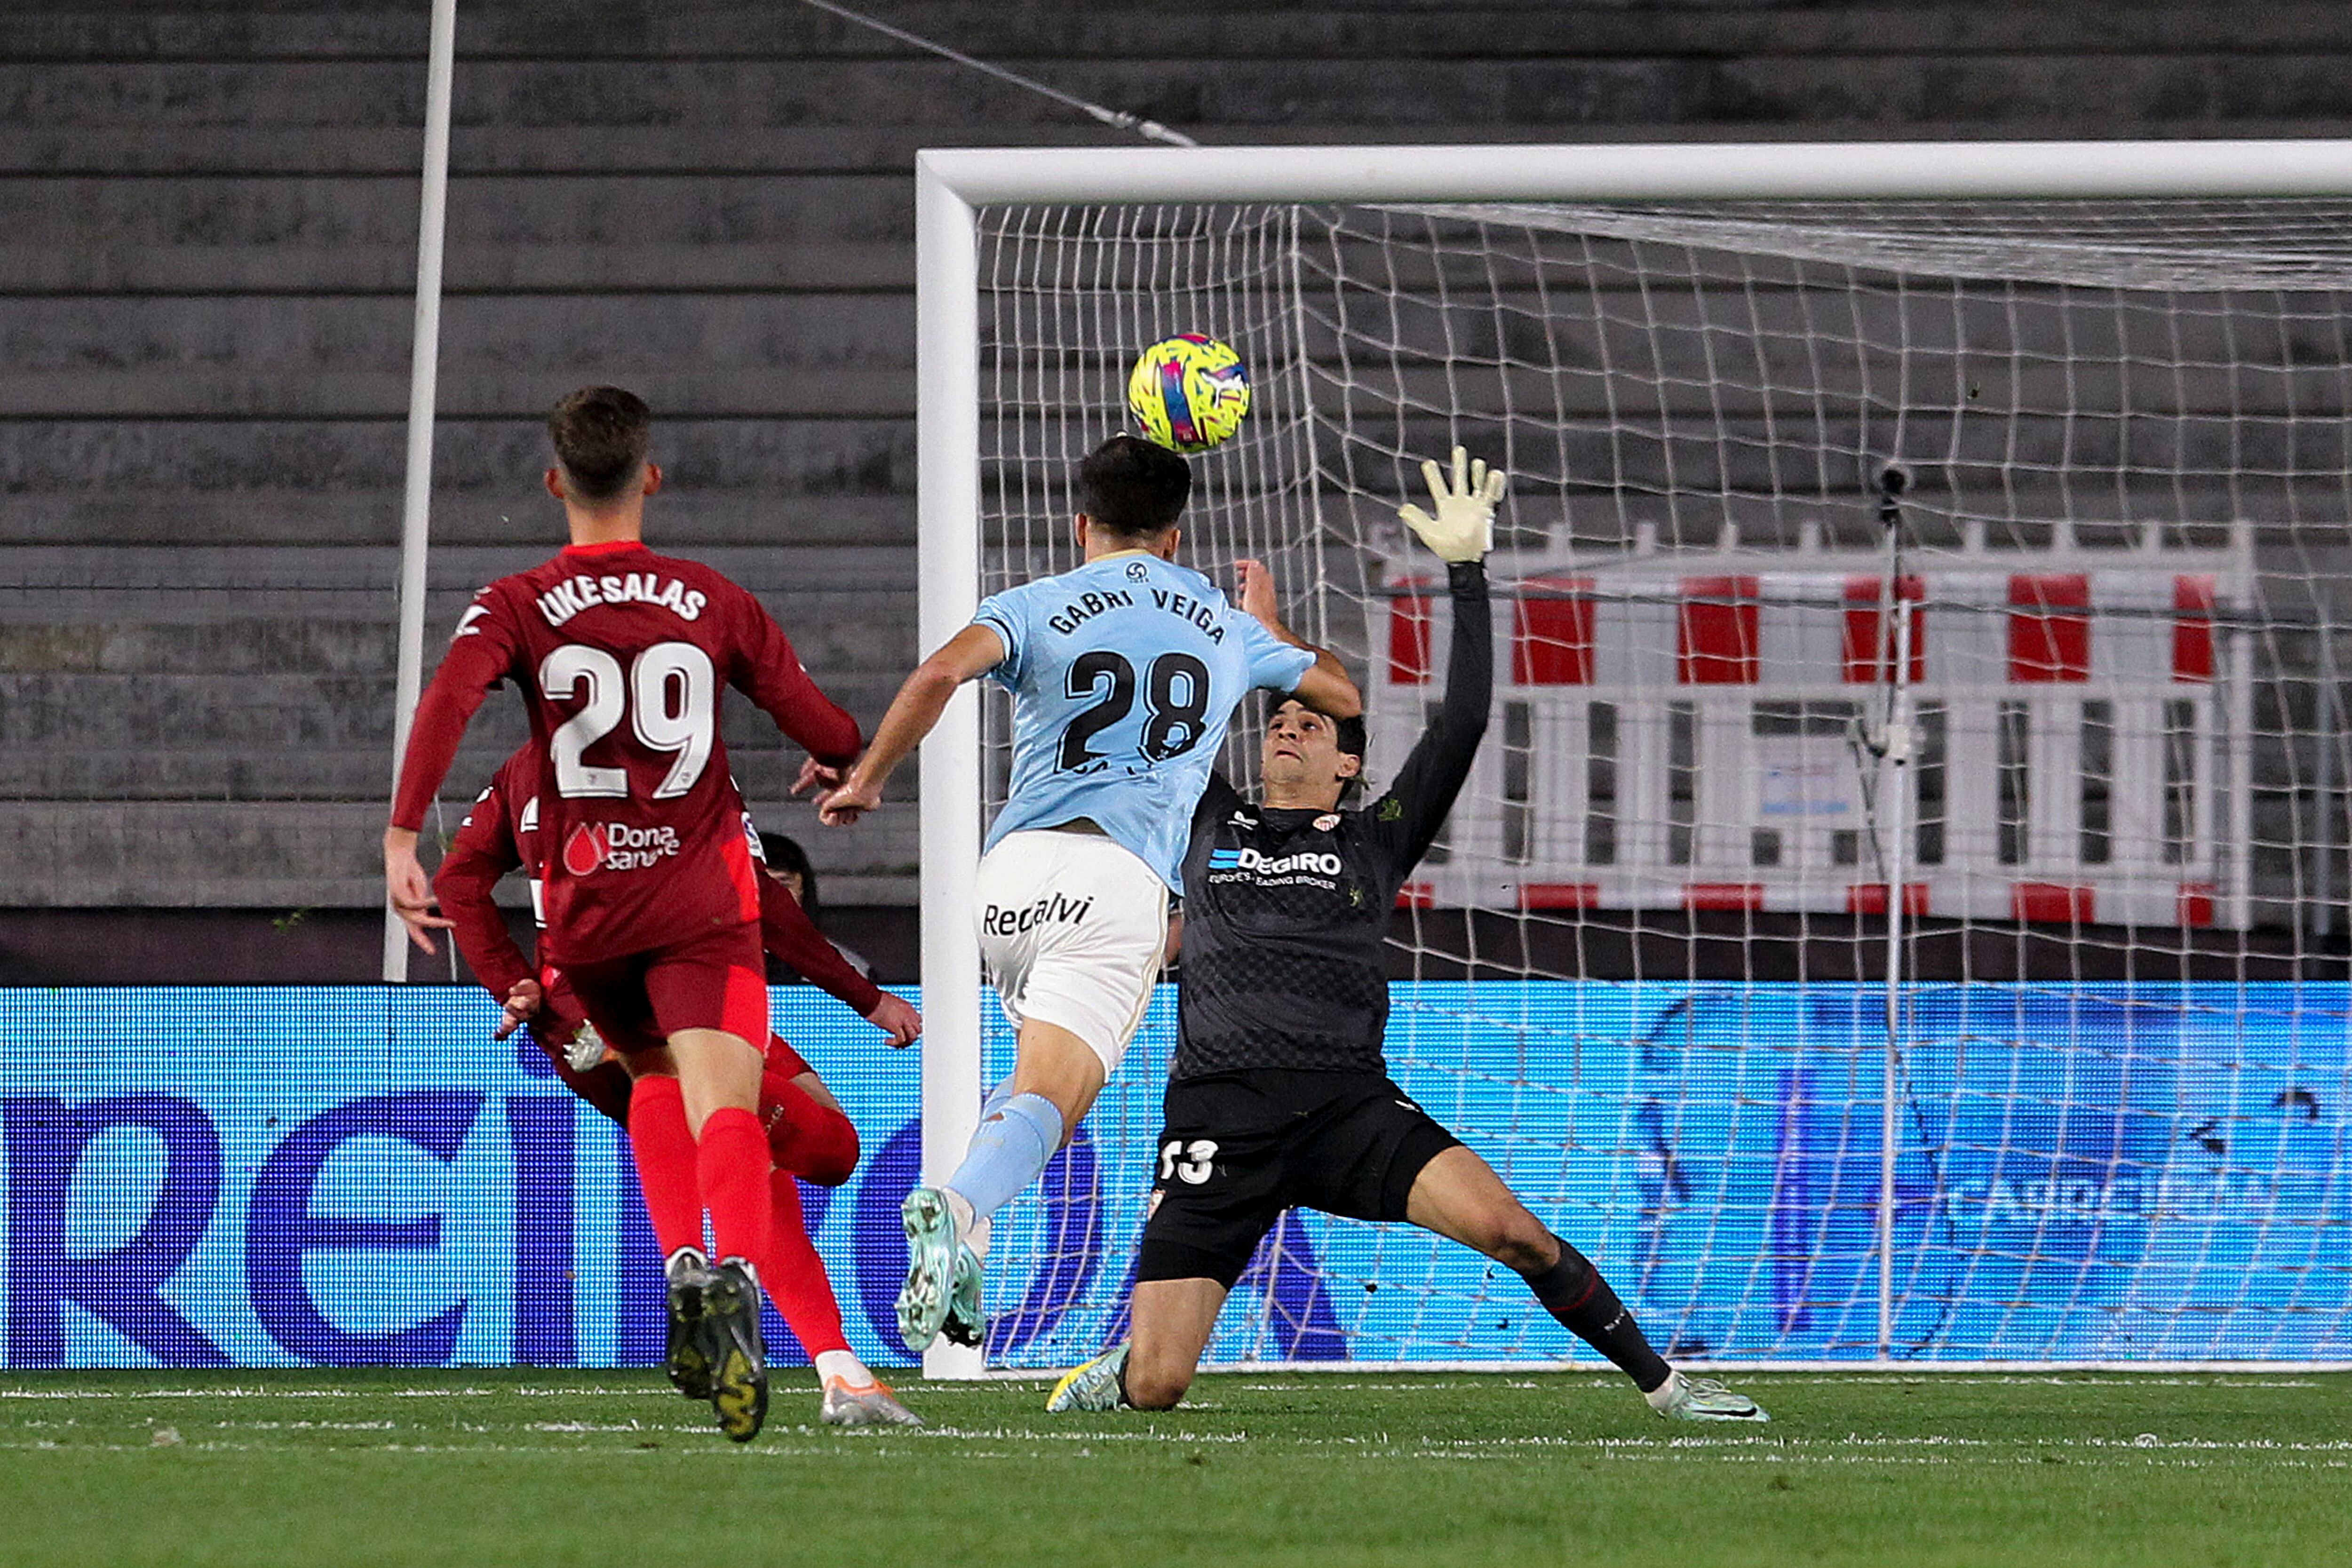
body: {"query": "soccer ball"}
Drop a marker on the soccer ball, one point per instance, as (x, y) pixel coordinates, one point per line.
(1189, 391)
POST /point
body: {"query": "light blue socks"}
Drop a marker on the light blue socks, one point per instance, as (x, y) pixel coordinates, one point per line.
(1018, 1134)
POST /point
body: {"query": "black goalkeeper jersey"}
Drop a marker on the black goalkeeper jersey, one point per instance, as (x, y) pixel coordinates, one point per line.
(1285, 911)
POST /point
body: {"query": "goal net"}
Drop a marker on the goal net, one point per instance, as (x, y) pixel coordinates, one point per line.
(2091, 812)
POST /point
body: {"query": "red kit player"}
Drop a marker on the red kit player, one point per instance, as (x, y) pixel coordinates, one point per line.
(651, 902)
(809, 1137)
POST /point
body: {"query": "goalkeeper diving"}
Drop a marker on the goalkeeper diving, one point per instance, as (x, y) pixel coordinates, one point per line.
(1279, 1096)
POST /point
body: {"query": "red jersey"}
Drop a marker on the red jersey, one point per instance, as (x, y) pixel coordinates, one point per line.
(621, 655)
(503, 833)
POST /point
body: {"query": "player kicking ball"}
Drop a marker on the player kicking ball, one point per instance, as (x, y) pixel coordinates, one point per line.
(1124, 674)
(652, 901)
(1279, 1097)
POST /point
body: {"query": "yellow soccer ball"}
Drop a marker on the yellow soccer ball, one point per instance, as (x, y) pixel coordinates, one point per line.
(1188, 392)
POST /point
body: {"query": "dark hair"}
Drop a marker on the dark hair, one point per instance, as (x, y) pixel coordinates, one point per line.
(600, 435)
(785, 854)
(1134, 489)
(1348, 735)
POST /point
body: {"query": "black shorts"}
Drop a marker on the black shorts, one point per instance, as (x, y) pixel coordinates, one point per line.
(1239, 1148)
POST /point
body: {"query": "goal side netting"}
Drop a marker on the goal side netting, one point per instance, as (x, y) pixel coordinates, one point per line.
(2096, 1110)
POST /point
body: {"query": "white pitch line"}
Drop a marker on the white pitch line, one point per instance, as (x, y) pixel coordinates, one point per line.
(641, 1391)
(247, 1393)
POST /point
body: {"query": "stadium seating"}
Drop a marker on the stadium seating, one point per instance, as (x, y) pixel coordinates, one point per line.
(207, 234)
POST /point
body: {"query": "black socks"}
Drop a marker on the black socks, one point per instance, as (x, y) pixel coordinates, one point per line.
(1573, 1291)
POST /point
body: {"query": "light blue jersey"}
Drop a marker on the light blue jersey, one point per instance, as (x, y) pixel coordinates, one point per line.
(1124, 675)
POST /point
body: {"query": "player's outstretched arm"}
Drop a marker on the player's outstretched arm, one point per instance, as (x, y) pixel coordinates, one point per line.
(914, 712)
(1460, 532)
(1326, 685)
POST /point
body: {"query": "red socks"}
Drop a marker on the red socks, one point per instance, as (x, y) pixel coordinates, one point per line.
(732, 1163)
(794, 1275)
(728, 1172)
(665, 1158)
(806, 1136)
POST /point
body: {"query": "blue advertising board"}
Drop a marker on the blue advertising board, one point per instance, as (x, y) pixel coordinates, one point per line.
(230, 1177)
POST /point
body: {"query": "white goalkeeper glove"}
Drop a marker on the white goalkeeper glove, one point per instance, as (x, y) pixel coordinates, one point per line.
(586, 1049)
(1464, 528)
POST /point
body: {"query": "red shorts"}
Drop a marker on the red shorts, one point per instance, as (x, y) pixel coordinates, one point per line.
(713, 982)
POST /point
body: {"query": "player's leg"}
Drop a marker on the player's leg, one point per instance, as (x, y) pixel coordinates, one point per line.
(809, 1138)
(796, 1281)
(613, 996)
(718, 1083)
(1458, 1195)
(1072, 928)
(1057, 1078)
(809, 1134)
(662, 1148)
(1223, 1181)
(661, 1144)
(1172, 1322)
(1057, 1074)
(710, 1000)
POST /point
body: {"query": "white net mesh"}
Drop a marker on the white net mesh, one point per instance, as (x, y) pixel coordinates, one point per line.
(1645, 972)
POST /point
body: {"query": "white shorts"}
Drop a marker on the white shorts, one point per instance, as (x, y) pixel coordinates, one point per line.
(1072, 927)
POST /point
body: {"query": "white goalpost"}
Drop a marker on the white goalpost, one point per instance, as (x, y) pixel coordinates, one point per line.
(423, 380)
(1893, 920)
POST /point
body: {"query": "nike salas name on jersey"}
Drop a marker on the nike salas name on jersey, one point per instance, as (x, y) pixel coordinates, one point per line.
(567, 598)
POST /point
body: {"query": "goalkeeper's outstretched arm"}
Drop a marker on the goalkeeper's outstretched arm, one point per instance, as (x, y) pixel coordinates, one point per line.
(1460, 534)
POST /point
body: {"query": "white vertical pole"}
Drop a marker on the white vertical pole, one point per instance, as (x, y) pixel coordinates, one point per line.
(424, 368)
(947, 479)
(1894, 796)
(1898, 826)
(2240, 653)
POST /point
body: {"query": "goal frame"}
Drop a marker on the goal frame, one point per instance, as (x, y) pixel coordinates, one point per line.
(951, 184)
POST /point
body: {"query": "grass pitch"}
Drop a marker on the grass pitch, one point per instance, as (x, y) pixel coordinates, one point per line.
(485, 1467)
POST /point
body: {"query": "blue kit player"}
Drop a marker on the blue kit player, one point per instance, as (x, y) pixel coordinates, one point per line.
(1124, 674)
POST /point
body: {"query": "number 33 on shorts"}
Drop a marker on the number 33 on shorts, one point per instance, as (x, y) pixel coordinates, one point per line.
(1191, 1163)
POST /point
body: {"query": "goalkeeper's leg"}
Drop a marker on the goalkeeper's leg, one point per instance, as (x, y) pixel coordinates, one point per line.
(1458, 1195)
(1151, 1368)
(1173, 1320)
(1213, 1201)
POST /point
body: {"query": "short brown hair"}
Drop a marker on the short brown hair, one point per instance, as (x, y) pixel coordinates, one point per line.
(601, 436)
(1134, 489)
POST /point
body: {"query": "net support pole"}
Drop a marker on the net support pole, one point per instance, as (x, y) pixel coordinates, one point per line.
(2242, 778)
(948, 522)
(424, 372)
(1894, 793)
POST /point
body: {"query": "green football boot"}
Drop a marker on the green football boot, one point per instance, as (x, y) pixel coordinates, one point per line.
(932, 1252)
(1096, 1385)
(1684, 1398)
